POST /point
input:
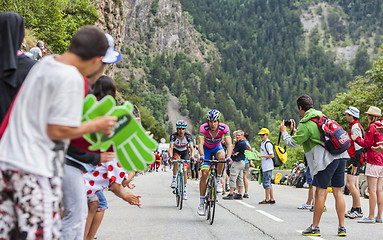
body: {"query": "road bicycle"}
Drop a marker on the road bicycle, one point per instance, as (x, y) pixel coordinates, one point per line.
(211, 190)
(180, 181)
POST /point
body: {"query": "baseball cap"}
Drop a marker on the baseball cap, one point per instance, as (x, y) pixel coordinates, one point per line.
(111, 55)
(264, 131)
(353, 111)
(40, 44)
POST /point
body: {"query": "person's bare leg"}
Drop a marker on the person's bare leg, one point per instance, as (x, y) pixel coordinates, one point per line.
(380, 197)
(185, 174)
(92, 208)
(175, 168)
(245, 182)
(267, 193)
(340, 205)
(352, 185)
(240, 189)
(95, 225)
(372, 189)
(310, 195)
(271, 193)
(202, 182)
(319, 203)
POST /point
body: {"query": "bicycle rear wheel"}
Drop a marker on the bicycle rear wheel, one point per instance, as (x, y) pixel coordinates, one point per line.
(181, 191)
(213, 199)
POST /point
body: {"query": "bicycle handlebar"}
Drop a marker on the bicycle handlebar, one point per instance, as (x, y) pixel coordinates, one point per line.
(214, 161)
(182, 161)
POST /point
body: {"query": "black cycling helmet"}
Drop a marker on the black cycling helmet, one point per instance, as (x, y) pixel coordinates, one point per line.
(213, 115)
(181, 124)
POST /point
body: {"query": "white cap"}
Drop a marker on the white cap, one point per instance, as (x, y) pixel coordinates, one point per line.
(353, 111)
(111, 55)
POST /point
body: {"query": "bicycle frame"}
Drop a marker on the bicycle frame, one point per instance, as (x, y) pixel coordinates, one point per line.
(179, 189)
(211, 191)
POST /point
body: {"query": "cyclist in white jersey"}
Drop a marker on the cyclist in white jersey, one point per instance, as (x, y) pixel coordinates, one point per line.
(180, 141)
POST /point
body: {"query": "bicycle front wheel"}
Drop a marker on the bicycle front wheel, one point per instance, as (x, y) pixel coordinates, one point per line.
(207, 200)
(177, 189)
(181, 191)
(213, 199)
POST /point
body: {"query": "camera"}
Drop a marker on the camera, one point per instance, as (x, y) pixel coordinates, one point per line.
(287, 123)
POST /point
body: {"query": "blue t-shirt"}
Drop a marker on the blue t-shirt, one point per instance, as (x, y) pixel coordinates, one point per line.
(240, 147)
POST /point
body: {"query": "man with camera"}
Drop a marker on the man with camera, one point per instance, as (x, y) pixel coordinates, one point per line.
(327, 169)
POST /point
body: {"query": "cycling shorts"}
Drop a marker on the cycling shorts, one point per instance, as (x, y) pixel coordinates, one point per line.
(183, 155)
(211, 151)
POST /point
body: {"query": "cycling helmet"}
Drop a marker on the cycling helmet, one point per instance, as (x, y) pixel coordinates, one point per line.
(213, 115)
(181, 124)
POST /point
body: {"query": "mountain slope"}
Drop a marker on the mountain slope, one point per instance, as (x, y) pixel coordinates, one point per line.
(267, 54)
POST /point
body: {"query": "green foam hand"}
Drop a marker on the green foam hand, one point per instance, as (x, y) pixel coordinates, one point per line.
(129, 139)
(251, 155)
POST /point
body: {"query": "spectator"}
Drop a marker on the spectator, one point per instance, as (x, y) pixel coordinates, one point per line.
(326, 169)
(157, 160)
(106, 174)
(236, 172)
(14, 66)
(78, 160)
(267, 153)
(248, 163)
(356, 153)
(32, 148)
(38, 51)
(310, 194)
(374, 166)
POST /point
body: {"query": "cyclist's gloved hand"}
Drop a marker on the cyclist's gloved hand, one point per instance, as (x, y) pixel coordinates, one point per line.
(202, 158)
(229, 161)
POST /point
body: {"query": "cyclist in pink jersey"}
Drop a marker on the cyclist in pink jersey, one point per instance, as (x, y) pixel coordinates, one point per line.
(209, 143)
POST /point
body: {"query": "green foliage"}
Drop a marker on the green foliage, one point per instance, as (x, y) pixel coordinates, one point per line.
(376, 75)
(152, 106)
(189, 17)
(154, 7)
(54, 22)
(361, 63)
(363, 92)
(263, 68)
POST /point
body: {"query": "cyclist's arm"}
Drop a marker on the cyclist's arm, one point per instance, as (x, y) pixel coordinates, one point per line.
(171, 150)
(191, 146)
(201, 141)
(229, 146)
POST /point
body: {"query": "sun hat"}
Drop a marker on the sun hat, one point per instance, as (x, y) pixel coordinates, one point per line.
(374, 111)
(111, 55)
(264, 131)
(353, 111)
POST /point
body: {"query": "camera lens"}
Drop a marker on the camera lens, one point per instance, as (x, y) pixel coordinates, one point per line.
(287, 123)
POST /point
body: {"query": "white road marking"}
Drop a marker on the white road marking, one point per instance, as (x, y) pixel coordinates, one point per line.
(270, 216)
(247, 205)
(312, 237)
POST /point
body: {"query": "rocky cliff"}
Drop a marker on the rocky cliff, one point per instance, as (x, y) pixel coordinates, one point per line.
(155, 26)
(112, 21)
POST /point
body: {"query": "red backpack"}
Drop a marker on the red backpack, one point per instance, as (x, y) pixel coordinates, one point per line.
(335, 138)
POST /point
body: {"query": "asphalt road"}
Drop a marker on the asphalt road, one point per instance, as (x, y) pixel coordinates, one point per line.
(159, 218)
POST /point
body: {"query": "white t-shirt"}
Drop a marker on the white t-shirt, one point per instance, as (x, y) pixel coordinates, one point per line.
(355, 130)
(36, 51)
(267, 163)
(52, 93)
